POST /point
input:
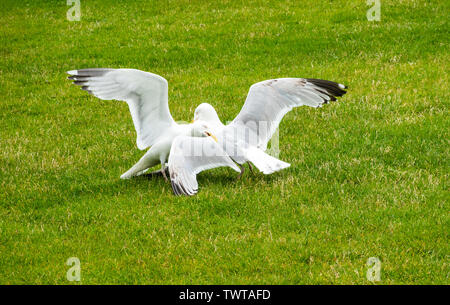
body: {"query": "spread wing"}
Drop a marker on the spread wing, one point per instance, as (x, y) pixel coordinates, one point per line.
(268, 101)
(145, 93)
(190, 156)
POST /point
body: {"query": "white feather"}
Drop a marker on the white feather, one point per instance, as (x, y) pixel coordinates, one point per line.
(145, 93)
(190, 156)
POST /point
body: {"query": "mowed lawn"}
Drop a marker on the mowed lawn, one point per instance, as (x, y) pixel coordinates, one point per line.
(368, 175)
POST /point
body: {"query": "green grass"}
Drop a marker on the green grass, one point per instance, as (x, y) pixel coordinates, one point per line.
(368, 175)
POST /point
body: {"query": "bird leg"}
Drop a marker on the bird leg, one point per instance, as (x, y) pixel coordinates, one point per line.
(163, 170)
(242, 171)
(250, 166)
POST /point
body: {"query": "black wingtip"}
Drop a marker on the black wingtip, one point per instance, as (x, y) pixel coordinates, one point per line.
(177, 189)
(332, 89)
(80, 82)
(174, 188)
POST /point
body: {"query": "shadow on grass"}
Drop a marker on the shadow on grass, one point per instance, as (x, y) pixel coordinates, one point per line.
(62, 189)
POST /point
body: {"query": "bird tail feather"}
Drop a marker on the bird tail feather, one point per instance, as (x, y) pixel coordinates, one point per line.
(265, 163)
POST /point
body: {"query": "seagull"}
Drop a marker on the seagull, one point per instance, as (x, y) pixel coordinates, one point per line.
(245, 139)
(147, 97)
(192, 148)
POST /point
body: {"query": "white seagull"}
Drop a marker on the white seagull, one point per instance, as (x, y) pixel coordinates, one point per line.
(147, 97)
(189, 148)
(246, 137)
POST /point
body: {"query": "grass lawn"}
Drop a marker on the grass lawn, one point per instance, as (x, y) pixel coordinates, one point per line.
(368, 175)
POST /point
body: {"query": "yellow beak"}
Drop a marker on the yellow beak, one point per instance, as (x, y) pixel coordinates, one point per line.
(192, 121)
(214, 137)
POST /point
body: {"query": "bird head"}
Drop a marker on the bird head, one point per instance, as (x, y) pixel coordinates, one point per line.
(205, 112)
(201, 129)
